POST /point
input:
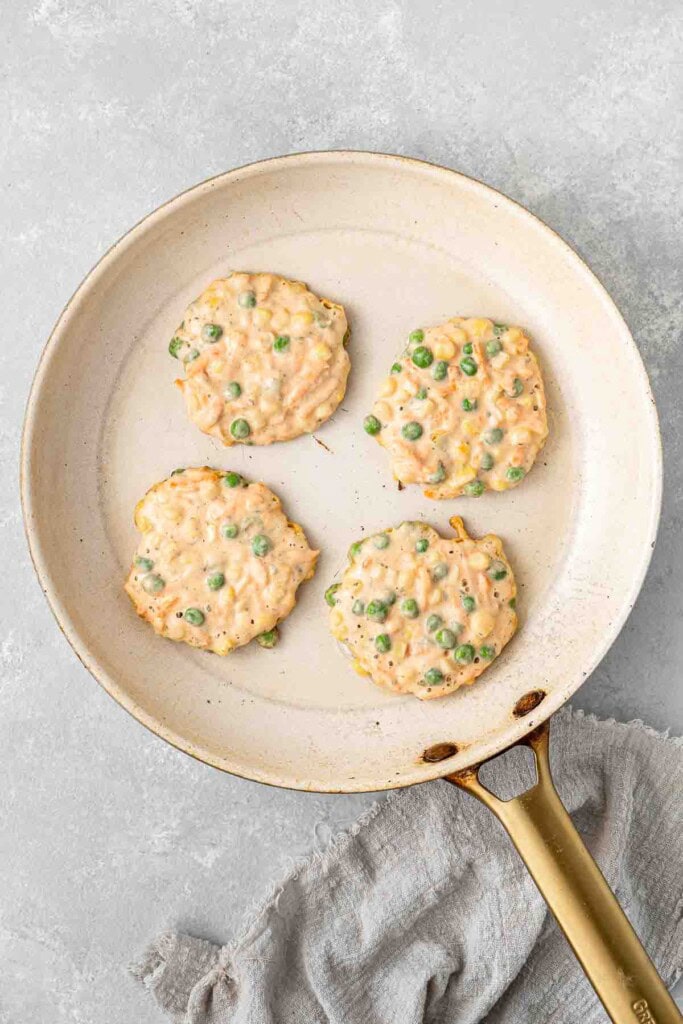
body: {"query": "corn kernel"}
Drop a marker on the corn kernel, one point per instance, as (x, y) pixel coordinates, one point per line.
(481, 623)
(479, 560)
(387, 387)
(359, 668)
(336, 618)
(216, 367)
(321, 351)
(466, 474)
(478, 327)
(498, 485)
(301, 322)
(458, 335)
(470, 427)
(499, 361)
(262, 316)
(444, 349)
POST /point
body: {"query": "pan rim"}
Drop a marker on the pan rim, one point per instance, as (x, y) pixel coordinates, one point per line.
(424, 772)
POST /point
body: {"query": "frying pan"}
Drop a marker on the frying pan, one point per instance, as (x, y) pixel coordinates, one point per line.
(400, 243)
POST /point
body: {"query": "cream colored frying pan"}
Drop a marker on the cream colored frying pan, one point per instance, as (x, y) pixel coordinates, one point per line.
(400, 243)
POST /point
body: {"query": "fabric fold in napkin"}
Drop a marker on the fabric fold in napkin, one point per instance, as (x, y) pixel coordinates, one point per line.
(423, 912)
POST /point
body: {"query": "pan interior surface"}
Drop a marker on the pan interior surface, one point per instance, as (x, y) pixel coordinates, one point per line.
(400, 244)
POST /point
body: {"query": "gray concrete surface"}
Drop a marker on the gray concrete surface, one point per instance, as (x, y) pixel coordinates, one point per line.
(109, 109)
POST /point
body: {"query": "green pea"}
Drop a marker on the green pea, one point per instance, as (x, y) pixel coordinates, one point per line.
(177, 472)
(381, 541)
(215, 580)
(416, 337)
(421, 545)
(517, 388)
(467, 349)
(390, 597)
(191, 355)
(446, 638)
(321, 319)
(487, 653)
(330, 594)
(433, 676)
(423, 357)
(411, 431)
(261, 545)
(464, 654)
(468, 603)
(174, 346)
(212, 332)
(281, 343)
(268, 639)
(355, 549)
(240, 429)
(153, 583)
(468, 366)
(396, 367)
(371, 425)
(433, 622)
(497, 570)
(376, 610)
(194, 616)
(493, 348)
(232, 479)
(469, 404)
(232, 390)
(493, 436)
(515, 473)
(513, 603)
(358, 607)
(440, 370)
(474, 489)
(440, 571)
(383, 643)
(421, 394)
(247, 300)
(438, 476)
(230, 530)
(144, 563)
(500, 328)
(410, 608)
(486, 462)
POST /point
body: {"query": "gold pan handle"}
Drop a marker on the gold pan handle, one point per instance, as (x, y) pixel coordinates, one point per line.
(576, 892)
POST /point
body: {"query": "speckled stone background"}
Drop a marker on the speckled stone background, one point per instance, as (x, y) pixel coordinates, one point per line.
(107, 110)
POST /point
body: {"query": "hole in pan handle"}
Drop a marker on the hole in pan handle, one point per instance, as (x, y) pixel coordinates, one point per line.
(576, 892)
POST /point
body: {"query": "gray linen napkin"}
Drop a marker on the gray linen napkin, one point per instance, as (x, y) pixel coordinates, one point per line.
(423, 912)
